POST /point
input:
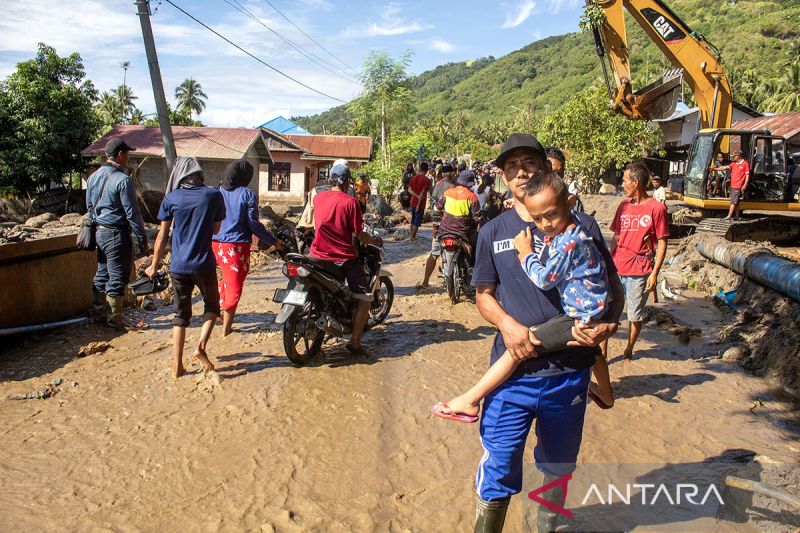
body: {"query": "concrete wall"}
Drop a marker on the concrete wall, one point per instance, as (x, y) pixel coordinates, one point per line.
(45, 280)
(297, 178)
(298, 190)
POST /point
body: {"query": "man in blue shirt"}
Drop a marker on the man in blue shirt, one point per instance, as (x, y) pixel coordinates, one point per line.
(195, 213)
(552, 388)
(111, 202)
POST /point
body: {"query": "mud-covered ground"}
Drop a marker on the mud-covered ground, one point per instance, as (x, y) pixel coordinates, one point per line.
(344, 444)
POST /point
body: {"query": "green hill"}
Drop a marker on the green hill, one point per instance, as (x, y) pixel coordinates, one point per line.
(751, 35)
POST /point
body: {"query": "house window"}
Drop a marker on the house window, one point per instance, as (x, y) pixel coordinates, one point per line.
(279, 174)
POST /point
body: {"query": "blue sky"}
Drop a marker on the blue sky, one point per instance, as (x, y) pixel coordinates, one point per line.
(242, 92)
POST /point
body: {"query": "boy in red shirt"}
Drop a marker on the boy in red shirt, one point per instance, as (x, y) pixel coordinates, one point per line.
(418, 188)
(639, 220)
(740, 177)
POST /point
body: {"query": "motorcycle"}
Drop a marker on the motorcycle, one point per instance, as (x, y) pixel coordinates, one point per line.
(456, 264)
(317, 303)
(296, 240)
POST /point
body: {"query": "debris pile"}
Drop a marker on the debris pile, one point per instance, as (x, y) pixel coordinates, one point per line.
(664, 320)
(763, 326)
(93, 348)
(40, 227)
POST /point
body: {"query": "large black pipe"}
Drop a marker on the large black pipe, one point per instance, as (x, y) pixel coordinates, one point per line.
(762, 267)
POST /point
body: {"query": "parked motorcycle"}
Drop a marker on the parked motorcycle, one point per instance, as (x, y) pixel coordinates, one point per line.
(456, 264)
(317, 302)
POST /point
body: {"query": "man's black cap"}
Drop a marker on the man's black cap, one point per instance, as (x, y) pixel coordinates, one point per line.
(117, 144)
(519, 140)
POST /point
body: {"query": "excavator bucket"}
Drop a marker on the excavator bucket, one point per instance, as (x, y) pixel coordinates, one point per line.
(658, 100)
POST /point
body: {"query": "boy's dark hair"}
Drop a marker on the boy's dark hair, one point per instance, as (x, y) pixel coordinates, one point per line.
(423, 167)
(639, 171)
(556, 154)
(547, 180)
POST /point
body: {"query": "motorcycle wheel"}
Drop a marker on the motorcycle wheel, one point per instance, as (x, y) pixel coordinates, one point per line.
(454, 284)
(382, 300)
(301, 338)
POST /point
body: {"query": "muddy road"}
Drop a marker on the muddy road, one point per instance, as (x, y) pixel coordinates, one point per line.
(345, 444)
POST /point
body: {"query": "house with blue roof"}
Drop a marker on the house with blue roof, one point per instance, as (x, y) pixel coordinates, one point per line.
(284, 126)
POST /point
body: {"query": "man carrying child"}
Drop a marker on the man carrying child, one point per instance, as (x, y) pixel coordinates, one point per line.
(551, 388)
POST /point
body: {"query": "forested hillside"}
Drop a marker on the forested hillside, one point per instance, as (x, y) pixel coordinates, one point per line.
(754, 37)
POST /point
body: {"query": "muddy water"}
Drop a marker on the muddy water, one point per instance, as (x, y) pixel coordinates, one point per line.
(342, 445)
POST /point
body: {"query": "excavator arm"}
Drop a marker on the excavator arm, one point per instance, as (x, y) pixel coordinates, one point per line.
(694, 58)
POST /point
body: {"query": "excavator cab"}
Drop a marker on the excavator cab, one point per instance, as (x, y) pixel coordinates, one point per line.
(769, 188)
(766, 153)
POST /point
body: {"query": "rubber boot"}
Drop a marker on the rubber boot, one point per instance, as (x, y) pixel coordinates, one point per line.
(490, 516)
(99, 309)
(547, 520)
(116, 320)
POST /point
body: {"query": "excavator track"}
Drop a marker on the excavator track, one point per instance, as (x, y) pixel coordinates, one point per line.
(771, 228)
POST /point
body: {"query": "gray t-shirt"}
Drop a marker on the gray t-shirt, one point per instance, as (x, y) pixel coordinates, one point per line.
(438, 192)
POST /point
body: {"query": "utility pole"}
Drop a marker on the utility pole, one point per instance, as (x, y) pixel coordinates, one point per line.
(158, 86)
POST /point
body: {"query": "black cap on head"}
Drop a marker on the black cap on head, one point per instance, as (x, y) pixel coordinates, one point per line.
(116, 145)
(339, 174)
(519, 140)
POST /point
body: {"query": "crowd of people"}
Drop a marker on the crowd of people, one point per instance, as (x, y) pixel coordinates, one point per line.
(543, 276)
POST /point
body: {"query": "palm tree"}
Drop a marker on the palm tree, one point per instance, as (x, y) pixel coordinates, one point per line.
(190, 97)
(124, 97)
(749, 87)
(137, 117)
(787, 90)
(108, 109)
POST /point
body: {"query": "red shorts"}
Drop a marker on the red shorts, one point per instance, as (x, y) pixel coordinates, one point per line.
(233, 258)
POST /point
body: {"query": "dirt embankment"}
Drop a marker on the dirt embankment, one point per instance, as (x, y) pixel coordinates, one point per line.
(761, 328)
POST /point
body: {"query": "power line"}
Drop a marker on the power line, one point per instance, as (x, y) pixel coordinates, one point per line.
(307, 35)
(309, 55)
(203, 24)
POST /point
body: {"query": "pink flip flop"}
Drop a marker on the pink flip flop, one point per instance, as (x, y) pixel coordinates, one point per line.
(596, 399)
(457, 417)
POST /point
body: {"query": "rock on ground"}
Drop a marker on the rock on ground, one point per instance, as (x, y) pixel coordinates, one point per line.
(40, 220)
(71, 219)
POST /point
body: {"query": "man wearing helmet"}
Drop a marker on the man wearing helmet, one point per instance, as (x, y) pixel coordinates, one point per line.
(337, 219)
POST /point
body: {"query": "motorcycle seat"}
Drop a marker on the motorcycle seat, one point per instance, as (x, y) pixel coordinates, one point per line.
(328, 267)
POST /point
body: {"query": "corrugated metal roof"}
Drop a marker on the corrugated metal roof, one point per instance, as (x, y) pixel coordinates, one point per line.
(279, 143)
(783, 124)
(283, 125)
(334, 146)
(200, 142)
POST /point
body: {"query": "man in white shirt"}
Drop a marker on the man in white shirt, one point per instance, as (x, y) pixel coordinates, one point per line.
(659, 193)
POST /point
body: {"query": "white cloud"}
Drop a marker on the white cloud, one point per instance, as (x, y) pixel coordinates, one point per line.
(442, 46)
(391, 24)
(557, 6)
(241, 92)
(519, 14)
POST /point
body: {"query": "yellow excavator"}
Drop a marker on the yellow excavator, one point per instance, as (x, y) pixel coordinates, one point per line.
(697, 62)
